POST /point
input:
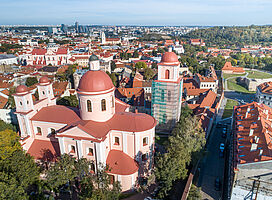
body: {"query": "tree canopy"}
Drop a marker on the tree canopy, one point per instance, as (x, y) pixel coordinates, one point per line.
(184, 144)
(31, 81)
(68, 101)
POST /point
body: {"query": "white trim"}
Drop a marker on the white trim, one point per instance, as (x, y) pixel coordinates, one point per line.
(79, 146)
(62, 147)
(125, 143)
(54, 123)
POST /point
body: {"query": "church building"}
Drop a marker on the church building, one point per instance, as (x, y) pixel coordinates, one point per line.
(101, 129)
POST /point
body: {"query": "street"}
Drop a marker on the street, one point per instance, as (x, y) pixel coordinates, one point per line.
(212, 166)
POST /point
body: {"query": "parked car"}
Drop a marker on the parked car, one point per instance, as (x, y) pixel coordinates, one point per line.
(221, 150)
(224, 132)
(217, 184)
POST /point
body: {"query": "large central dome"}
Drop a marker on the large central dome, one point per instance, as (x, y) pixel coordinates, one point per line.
(95, 81)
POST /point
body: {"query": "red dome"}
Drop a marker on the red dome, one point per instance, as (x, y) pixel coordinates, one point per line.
(95, 81)
(21, 89)
(169, 57)
(44, 79)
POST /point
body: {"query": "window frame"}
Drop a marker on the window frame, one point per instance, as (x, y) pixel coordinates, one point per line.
(145, 143)
(116, 142)
(103, 105)
(89, 106)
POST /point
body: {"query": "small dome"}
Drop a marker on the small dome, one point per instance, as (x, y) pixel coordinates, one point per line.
(169, 57)
(93, 57)
(21, 89)
(95, 81)
(44, 79)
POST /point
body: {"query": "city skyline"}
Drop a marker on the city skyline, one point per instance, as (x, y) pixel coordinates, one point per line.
(122, 12)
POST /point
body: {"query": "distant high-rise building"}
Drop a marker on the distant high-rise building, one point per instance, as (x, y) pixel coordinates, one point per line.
(167, 92)
(103, 38)
(64, 28)
(77, 27)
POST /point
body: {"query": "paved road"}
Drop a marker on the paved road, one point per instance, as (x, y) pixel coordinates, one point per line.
(240, 96)
(211, 167)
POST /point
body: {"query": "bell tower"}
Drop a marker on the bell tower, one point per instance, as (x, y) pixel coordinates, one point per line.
(45, 89)
(24, 105)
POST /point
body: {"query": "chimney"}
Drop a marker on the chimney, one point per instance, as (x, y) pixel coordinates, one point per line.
(261, 152)
(257, 140)
(251, 132)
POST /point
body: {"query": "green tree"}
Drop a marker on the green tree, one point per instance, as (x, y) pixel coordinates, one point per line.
(31, 81)
(148, 73)
(9, 142)
(194, 193)
(105, 189)
(184, 146)
(113, 77)
(140, 65)
(4, 126)
(68, 101)
(113, 66)
(64, 171)
(11, 102)
(18, 171)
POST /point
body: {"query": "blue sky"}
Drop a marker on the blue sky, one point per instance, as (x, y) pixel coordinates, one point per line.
(137, 12)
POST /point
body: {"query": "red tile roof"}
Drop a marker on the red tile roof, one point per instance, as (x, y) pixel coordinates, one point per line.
(253, 133)
(44, 150)
(133, 123)
(229, 67)
(120, 163)
(266, 87)
(57, 114)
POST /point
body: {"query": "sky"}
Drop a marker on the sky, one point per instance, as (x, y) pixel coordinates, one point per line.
(137, 12)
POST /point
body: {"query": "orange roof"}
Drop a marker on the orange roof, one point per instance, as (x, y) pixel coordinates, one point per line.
(209, 100)
(44, 150)
(266, 87)
(120, 163)
(229, 67)
(62, 114)
(253, 135)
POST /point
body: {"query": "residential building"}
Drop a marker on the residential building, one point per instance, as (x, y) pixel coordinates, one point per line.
(229, 69)
(264, 93)
(251, 152)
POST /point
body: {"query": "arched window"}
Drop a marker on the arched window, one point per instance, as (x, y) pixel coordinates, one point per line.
(112, 101)
(103, 104)
(167, 74)
(89, 106)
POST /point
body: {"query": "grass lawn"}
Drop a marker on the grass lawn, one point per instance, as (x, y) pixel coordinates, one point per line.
(232, 75)
(232, 85)
(258, 75)
(229, 108)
